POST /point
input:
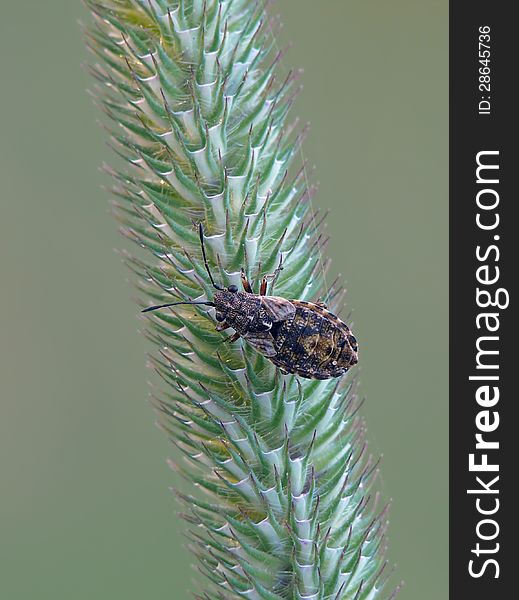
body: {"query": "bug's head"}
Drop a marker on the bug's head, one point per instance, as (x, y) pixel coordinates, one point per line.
(224, 300)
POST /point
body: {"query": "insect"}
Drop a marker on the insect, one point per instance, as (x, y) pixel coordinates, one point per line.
(300, 337)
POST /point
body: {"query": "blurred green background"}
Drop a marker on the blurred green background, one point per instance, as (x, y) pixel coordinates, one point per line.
(85, 510)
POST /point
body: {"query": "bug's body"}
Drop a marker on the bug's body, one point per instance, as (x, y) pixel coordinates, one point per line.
(299, 337)
(314, 343)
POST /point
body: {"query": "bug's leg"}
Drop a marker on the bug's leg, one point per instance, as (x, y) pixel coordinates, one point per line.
(232, 338)
(263, 287)
(273, 276)
(245, 282)
(321, 303)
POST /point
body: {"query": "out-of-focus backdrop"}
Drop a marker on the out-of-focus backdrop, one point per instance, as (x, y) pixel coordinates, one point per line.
(85, 510)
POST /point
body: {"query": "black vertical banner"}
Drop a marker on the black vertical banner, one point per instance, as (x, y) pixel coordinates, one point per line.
(484, 244)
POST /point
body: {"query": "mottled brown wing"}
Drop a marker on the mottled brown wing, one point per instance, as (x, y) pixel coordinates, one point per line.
(262, 342)
(278, 309)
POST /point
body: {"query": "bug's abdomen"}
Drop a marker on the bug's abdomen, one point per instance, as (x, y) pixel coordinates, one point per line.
(314, 343)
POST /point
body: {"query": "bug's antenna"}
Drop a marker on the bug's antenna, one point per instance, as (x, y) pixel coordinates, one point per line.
(150, 308)
(201, 234)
